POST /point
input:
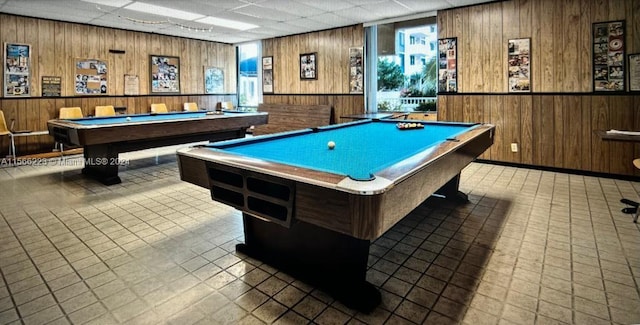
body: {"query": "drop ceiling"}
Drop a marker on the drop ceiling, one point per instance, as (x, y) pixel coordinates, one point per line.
(272, 18)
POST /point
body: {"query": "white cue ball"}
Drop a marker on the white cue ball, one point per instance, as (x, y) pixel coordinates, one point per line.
(331, 144)
(128, 118)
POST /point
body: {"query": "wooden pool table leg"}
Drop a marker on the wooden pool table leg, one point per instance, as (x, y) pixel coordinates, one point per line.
(333, 262)
(101, 163)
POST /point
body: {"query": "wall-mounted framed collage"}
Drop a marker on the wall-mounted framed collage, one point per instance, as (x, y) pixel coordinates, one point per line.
(448, 65)
(267, 75)
(308, 66)
(17, 70)
(165, 74)
(90, 77)
(608, 56)
(519, 58)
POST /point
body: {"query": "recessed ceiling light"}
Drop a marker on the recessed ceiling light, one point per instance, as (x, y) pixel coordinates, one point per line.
(226, 23)
(163, 11)
(110, 3)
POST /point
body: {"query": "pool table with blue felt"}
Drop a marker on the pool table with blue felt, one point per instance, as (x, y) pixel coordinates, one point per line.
(312, 211)
(103, 138)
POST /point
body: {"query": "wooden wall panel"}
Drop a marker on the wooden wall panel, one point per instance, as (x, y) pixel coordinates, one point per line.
(342, 104)
(553, 130)
(555, 124)
(55, 45)
(332, 47)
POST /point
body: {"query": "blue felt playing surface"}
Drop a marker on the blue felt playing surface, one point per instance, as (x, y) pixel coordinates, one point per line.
(137, 118)
(361, 148)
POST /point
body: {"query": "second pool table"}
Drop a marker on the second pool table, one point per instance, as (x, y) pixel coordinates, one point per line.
(313, 211)
(103, 138)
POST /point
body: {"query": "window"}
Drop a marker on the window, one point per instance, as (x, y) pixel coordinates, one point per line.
(404, 79)
(248, 95)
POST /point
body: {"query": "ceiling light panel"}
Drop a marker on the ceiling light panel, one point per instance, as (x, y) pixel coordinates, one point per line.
(227, 23)
(110, 3)
(163, 11)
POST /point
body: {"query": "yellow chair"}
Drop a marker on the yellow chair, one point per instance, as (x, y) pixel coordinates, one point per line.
(228, 106)
(190, 107)
(4, 130)
(159, 108)
(70, 113)
(105, 111)
(633, 205)
(12, 133)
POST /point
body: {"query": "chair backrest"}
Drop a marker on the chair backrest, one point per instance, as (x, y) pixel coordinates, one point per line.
(70, 112)
(3, 125)
(107, 110)
(159, 108)
(191, 107)
(636, 162)
(227, 106)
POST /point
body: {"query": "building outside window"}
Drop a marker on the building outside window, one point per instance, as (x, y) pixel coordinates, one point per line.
(407, 79)
(248, 94)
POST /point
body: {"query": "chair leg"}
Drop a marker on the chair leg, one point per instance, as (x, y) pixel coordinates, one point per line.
(632, 209)
(12, 150)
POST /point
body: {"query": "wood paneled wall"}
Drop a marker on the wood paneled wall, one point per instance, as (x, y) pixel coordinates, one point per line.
(33, 113)
(342, 104)
(553, 130)
(554, 125)
(561, 42)
(332, 85)
(55, 45)
(332, 47)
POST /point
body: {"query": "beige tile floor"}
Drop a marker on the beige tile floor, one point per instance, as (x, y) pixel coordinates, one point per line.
(531, 247)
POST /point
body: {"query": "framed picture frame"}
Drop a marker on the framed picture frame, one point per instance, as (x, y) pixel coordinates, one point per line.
(17, 70)
(91, 76)
(608, 56)
(356, 70)
(51, 86)
(164, 74)
(448, 65)
(634, 72)
(519, 65)
(309, 66)
(213, 80)
(267, 75)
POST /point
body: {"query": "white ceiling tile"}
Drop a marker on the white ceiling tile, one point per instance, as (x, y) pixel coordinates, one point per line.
(292, 7)
(329, 5)
(266, 13)
(275, 18)
(388, 10)
(332, 19)
(421, 5)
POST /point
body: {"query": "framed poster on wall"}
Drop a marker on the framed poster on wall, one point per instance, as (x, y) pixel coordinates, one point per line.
(51, 86)
(519, 57)
(634, 72)
(17, 70)
(447, 65)
(308, 66)
(91, 77)
(165, 74)
(608, 56)
(213, 80)
(267, 75)
(356, 70)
